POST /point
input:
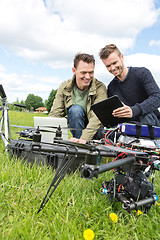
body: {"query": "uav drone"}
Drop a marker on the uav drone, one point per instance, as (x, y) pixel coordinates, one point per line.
(132, 156)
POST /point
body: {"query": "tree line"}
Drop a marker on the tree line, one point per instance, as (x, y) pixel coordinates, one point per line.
(33, 102)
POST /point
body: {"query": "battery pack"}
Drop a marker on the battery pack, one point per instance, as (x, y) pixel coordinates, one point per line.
(138, 130)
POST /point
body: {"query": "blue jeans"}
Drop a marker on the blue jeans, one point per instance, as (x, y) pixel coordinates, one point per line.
(77, 119)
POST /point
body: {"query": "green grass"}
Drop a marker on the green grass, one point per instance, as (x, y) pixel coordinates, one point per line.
(76, 204)
(22, 119)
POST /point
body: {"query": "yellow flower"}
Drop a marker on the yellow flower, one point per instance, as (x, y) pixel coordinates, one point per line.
(158, 204)
(139, 212)
(88, 234)
(113, 217)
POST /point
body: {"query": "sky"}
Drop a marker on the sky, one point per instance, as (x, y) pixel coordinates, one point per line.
(39, 39)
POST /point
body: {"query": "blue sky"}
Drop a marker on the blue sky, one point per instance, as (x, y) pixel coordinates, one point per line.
(38, 40)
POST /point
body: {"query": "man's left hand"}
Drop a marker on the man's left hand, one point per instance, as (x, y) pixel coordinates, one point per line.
(80, 140)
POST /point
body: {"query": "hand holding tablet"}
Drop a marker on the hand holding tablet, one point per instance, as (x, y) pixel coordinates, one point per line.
(104, 110)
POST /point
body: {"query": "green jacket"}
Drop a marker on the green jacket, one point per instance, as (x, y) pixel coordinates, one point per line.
(63, 100)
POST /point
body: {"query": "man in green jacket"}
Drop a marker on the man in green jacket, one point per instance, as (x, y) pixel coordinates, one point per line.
(76, 97)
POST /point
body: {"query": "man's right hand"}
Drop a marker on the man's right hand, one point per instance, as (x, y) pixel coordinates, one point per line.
(80, 140)
(123, 112)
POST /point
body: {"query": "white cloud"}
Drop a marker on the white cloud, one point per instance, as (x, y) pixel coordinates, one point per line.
(105, 16)
(20, 85)
(54, 34)
(146, 60)
(2, 68)
(154, 43)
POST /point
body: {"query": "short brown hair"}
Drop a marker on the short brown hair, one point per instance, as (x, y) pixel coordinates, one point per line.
(84, 57)
(107, 50)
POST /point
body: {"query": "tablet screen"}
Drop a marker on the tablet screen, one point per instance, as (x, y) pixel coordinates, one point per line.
(104, 109)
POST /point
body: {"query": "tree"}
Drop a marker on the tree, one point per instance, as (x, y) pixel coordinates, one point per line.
(32, 102)
(50, 100)
(39, 102)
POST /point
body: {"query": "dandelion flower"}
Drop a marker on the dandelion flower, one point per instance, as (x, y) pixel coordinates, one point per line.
(113, 217)
(139, 212)
(88, 234)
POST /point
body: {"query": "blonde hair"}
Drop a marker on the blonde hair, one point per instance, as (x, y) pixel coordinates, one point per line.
(107, 50)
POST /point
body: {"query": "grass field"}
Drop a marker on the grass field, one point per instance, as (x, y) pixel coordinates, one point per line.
(75, 206)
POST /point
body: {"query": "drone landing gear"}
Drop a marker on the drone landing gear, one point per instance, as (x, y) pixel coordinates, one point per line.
(60, 173)
(6, 136)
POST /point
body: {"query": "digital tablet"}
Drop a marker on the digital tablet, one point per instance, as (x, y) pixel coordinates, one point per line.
(104, 109)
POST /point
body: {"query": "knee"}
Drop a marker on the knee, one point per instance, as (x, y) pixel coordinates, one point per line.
(76, 111)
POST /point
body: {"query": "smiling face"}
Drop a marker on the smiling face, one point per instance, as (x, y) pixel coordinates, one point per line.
(115, 65)
(84, 74)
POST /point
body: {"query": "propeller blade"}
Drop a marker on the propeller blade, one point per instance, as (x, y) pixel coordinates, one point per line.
(34, 129)
(2, 92)
(45, 130)
(68, 128)
(42, 130)
(119, 149)
(19, 105)
(26, 127)
(75, 144)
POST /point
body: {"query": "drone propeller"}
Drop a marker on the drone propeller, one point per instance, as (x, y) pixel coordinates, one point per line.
(29, 132)
(32, 128)
(18, 105)
(71, 128)
(119, 149)
(46, 130)
(74, 144)
(55, 127)
(41, 130)
(99, 148)
(26, 127)
(29, 127)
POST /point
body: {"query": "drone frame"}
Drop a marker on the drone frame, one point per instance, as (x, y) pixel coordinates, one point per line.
(90, 152)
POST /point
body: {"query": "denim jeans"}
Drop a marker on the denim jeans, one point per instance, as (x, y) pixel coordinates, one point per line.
(77, 119)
